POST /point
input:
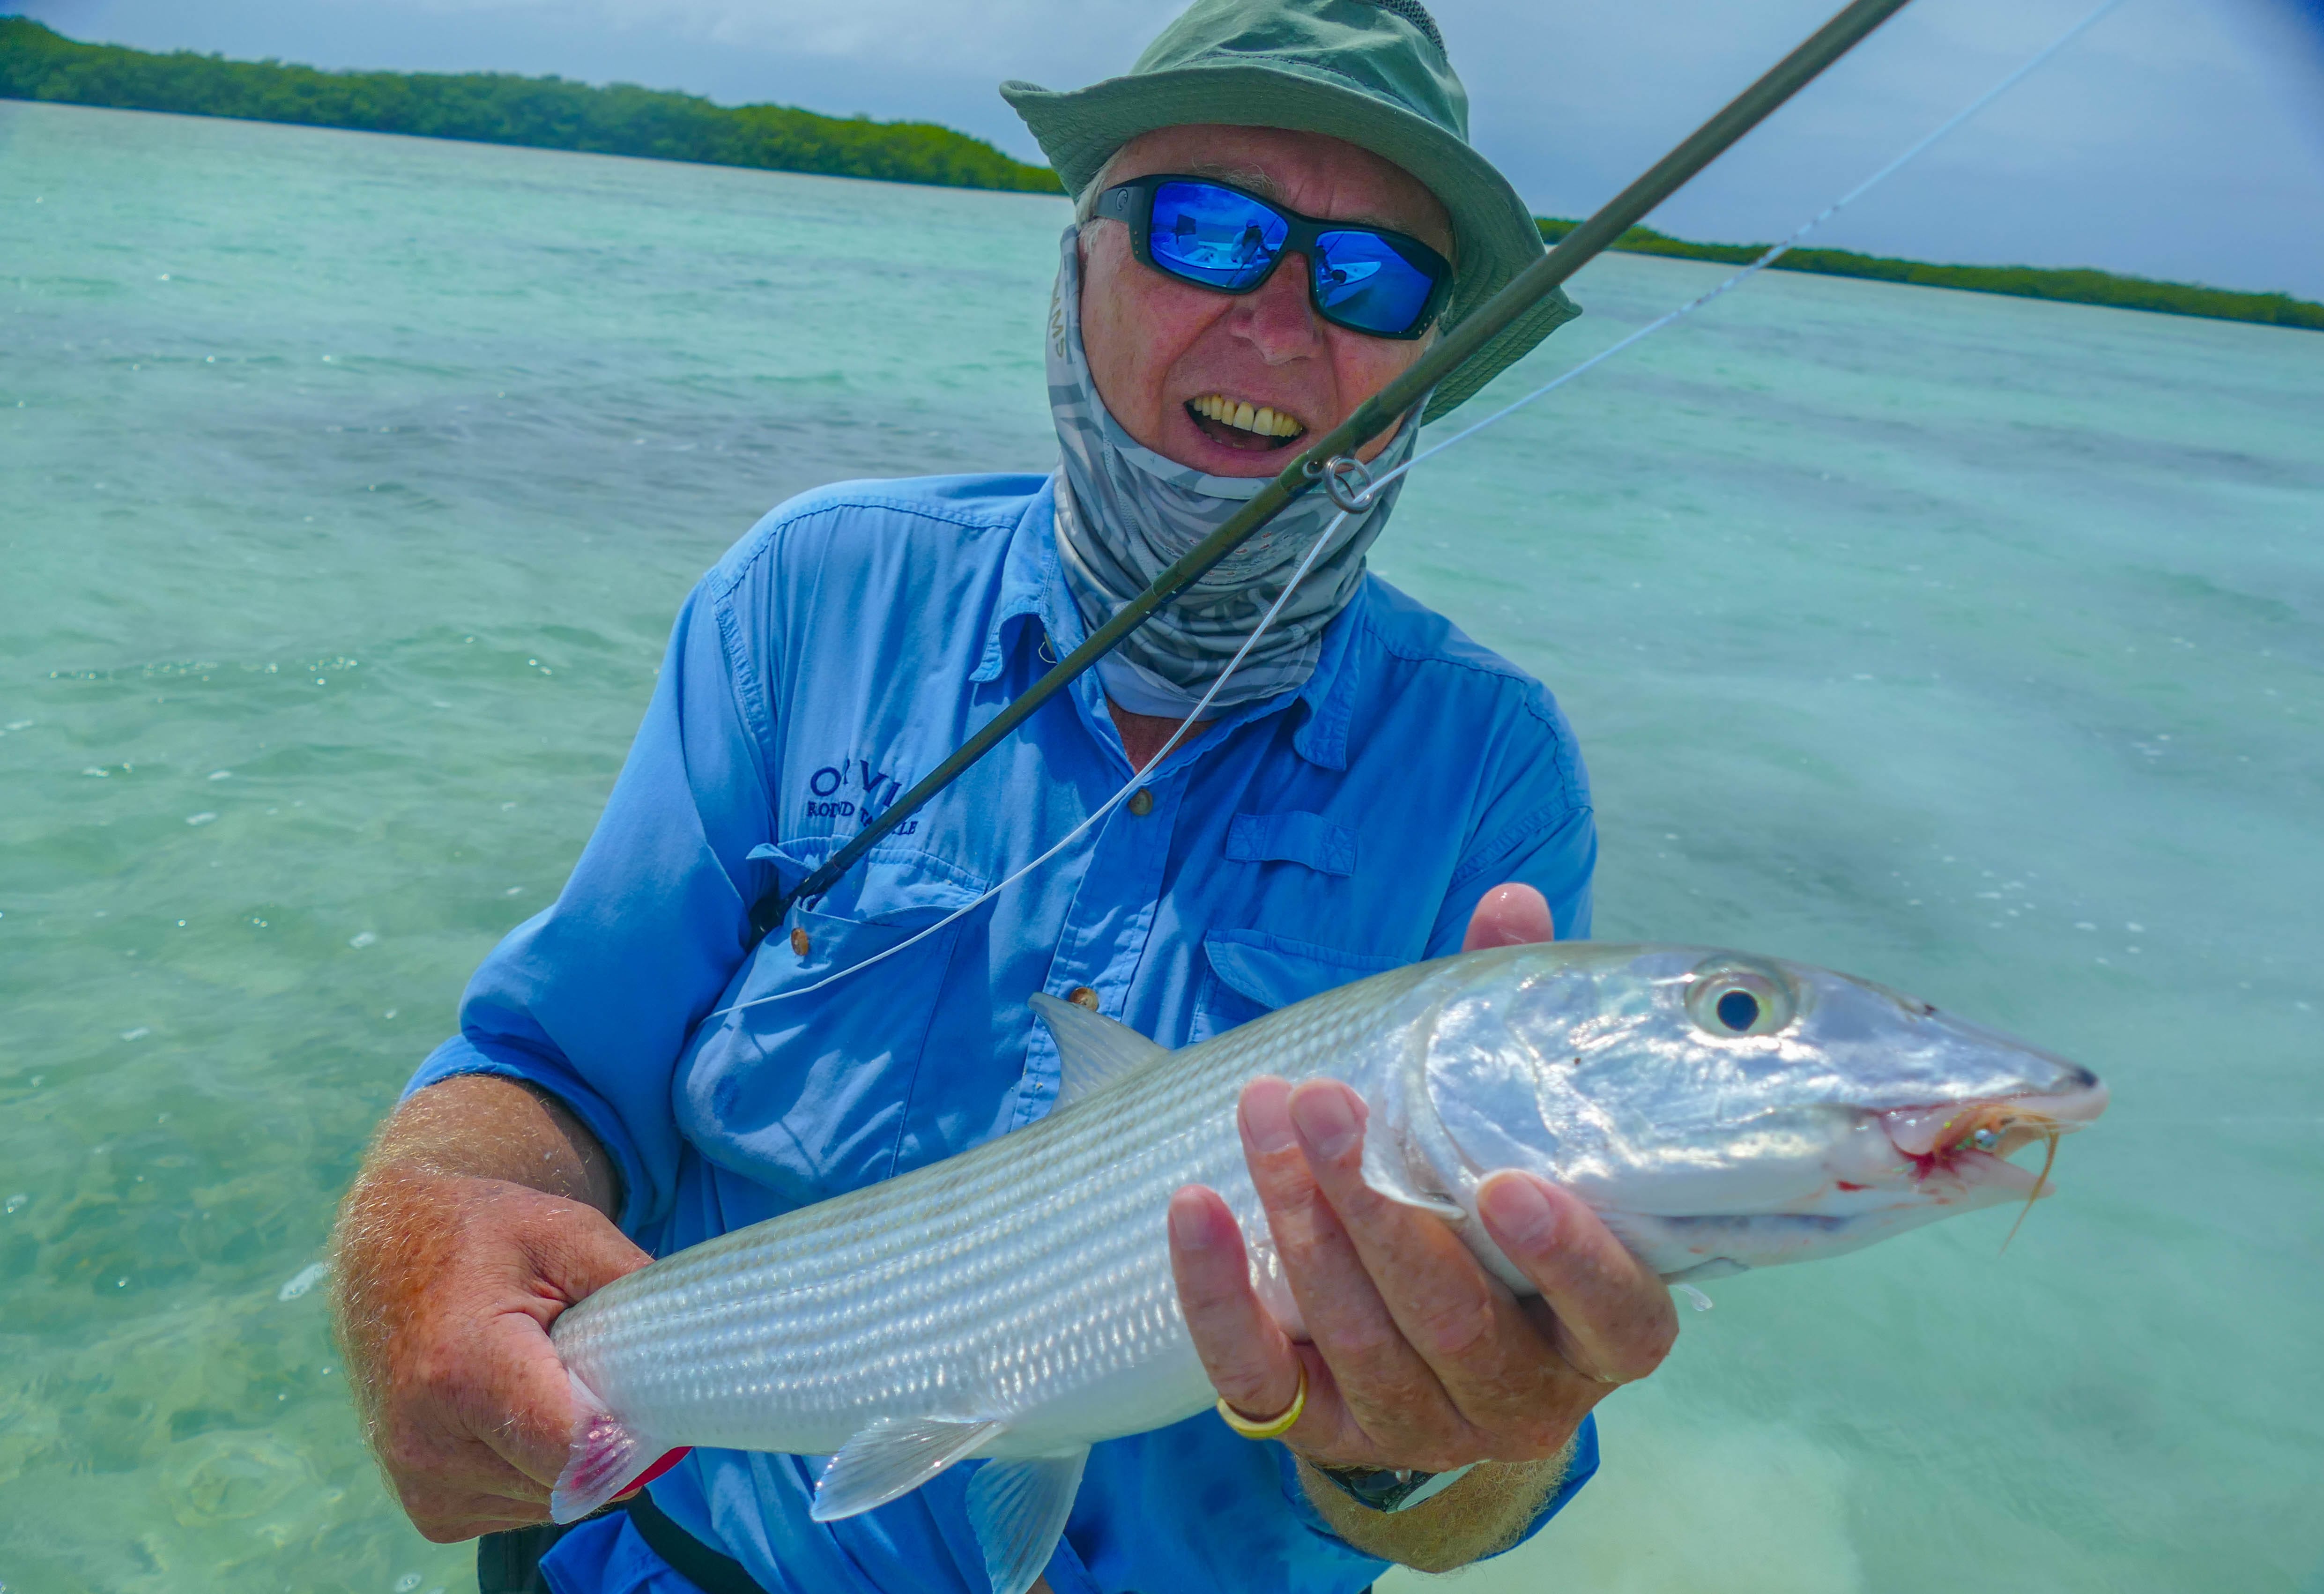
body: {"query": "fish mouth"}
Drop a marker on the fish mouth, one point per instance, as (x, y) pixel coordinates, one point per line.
(1970, 1143)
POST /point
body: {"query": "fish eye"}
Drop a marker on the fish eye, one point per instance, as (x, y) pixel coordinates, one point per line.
(1732, 996)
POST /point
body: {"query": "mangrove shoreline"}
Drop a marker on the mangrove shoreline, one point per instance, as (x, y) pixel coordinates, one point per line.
(37, 63)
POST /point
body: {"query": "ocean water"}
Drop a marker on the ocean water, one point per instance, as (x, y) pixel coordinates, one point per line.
(348, 487)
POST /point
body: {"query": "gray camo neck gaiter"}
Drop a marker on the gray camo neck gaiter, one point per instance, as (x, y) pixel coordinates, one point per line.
(1125, 514)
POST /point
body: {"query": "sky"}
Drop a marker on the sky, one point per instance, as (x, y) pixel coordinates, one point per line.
(2179, 139)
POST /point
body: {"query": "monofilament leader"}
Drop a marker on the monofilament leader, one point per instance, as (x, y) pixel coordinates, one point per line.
(1277, 210)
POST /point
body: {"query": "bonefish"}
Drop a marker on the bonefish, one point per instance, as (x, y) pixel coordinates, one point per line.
(1720, 1111)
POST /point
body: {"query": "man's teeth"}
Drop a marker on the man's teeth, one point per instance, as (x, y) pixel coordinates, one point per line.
(1263, 419)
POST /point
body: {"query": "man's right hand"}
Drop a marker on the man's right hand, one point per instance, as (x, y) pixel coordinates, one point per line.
(477, 1217)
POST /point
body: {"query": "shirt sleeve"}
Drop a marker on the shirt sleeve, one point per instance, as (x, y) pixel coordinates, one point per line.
(1535, 825)
(593, 1000)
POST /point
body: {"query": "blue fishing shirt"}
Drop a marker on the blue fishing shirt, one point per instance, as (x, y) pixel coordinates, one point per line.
(836, 655)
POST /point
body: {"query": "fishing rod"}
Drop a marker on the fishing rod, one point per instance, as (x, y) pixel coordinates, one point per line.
(1324, 540)
(1331, 458)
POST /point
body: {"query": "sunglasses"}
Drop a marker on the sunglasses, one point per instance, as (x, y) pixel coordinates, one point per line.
(1366, 279)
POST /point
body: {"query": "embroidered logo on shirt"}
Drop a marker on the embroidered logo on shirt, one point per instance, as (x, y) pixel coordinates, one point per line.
(853, 787)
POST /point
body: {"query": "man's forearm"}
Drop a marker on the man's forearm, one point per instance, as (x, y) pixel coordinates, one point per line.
(1484, 1513)
(480, 1213)
(435, 1154)
(483, 1127)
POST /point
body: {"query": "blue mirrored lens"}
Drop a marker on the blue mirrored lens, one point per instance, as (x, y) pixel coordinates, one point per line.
(1213, 235)
(1363, 282)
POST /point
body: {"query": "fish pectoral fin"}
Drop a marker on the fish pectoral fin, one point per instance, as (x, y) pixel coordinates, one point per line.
(1385, 1173)
(1019, 1510)
(1094, 1051)
(893, 1457)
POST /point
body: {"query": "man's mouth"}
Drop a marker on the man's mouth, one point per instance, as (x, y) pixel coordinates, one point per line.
(1240, 424)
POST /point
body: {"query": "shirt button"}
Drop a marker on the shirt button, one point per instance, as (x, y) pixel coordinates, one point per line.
(1082, 996)
(799, 943)
(1142, 803)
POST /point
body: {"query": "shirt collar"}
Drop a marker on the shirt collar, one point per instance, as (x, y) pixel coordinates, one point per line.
(1033, 587)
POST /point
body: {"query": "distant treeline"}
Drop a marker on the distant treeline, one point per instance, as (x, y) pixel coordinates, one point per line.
(2077, 286)
(547, 113)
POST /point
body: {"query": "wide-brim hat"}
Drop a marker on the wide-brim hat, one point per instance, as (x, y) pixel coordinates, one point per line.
(1373, 72)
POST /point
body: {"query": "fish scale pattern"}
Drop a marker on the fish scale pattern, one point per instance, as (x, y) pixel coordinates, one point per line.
(1000, 1284)
(1025, 1284)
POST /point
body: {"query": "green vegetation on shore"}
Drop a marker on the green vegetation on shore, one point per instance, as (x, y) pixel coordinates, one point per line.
(548, 113)
(2076, 285)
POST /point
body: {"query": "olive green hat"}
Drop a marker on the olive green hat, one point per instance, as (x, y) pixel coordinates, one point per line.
(1373, 72)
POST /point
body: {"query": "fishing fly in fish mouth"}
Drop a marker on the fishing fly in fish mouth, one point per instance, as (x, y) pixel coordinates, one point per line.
(1341, 1177)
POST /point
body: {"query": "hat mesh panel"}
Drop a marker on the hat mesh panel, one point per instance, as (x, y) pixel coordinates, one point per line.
(1415, 13)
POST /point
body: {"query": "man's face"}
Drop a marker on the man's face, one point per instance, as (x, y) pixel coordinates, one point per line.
(1160, 350)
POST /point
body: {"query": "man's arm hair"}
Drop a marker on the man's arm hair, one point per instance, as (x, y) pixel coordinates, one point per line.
(1482, 1513)
(482, 1126)
(469, 1127)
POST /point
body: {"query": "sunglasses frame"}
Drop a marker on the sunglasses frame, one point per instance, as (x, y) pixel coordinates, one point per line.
(1132, 203)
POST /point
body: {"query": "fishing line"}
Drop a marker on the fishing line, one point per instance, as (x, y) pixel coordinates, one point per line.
(1473, 338)
(1774, 253)
(1307, 562)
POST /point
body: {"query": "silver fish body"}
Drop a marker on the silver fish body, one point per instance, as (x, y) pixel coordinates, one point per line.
(1015, 1302)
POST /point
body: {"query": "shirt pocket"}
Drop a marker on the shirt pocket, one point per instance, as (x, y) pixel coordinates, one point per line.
(1251, 972)
(803, 1086)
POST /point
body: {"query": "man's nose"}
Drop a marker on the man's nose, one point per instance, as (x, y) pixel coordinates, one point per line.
(1279, 316)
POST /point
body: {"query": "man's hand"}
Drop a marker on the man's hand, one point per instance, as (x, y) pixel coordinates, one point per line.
(1415, 1356)
(478, 1217)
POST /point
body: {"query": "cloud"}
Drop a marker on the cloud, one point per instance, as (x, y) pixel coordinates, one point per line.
(2179, 138)
(990, 36)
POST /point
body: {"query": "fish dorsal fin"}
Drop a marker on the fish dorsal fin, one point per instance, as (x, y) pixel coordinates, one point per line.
(1019, 1510)
(893, 1457)
(1094, 1051)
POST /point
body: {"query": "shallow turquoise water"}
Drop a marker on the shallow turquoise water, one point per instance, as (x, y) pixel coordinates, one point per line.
(348, 486)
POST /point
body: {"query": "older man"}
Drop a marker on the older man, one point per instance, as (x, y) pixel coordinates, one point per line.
(1278, 208)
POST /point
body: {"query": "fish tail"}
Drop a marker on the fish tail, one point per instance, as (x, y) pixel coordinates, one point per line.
(609, 1457)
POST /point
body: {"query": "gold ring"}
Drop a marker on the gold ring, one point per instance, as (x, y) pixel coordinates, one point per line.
(1275, 1428)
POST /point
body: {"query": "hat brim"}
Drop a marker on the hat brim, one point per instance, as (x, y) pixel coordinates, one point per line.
(1494, 234)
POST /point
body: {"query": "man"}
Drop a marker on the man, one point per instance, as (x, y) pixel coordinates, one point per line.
(1278, 208)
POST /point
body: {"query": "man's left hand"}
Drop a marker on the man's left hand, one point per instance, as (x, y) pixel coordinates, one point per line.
(1416, 1357)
